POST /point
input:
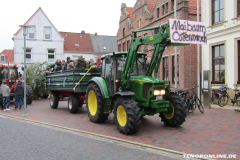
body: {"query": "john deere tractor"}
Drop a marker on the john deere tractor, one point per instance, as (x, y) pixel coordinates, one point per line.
(126, 86)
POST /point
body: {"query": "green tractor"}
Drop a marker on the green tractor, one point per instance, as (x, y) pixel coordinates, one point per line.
(126, 86)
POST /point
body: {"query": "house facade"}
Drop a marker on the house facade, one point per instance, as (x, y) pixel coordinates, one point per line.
(149, 13)
(43, 41)
(221, 55)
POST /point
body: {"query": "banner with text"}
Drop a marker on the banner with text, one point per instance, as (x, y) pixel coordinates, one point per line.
(183, 31)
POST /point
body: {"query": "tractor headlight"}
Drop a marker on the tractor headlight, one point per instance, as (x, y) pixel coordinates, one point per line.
(158, 92)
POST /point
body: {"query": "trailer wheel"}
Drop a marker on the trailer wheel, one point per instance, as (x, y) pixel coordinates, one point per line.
(126, 115)
(178, 114)
(53, 100)
(29, 94)
(94, 104)
(73, 104)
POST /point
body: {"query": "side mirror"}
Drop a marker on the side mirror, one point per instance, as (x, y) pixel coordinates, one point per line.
(108, 59)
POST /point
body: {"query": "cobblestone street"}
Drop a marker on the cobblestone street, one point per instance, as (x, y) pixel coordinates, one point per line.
(214, 132)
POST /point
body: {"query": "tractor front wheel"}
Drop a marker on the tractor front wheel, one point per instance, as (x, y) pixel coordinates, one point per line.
(126, 115)
(95, 104)
(29, 94)
(178, 112)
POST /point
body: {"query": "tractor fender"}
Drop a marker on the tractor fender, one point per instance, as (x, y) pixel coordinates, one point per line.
(102, 86)
(121, 94)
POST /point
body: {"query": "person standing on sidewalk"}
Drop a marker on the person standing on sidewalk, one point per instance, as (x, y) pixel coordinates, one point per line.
(19, 90)
(6, 95)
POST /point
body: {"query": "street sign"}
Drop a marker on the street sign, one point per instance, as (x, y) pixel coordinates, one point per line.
(183, 31)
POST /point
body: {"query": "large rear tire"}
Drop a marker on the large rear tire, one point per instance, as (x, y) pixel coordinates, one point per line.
(178, 114)
(53, 100)
(126, 115)
(29, 94)
(73, 104)
(95, 104)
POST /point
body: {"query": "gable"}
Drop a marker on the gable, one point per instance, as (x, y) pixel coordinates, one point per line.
(40, 20)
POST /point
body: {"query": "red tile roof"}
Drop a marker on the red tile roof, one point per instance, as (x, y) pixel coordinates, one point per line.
(72, 40)
(151, 5)
(193, 6)
(9, 54)
(130, 11)
(28, 19)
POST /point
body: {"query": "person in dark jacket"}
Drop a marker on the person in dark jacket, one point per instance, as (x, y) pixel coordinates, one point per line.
(66, 63)
(81, 63)
(58, 65)
(19, 91)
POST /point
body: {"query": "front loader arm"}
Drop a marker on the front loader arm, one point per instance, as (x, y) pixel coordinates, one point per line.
(160, 41)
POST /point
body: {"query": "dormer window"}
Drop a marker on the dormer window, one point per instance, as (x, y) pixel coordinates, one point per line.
(47, 33)
(31, 32)
(2, 57)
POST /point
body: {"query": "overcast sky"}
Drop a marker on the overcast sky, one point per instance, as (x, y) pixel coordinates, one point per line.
(101, 16)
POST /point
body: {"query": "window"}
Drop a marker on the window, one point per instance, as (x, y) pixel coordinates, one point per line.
(128, 43)
(124, 46)
(156, 31)
(173, 69)
(218, 64)
(28, 55)
(165, 68)
(158, 12)
(124, 32)
(218, 11)
(51, 55)
(31, 32)
(139, 23)
(165, 8)
(47, 33)
(238, 8)
(119, 48)
(2, 57)
(172, 4)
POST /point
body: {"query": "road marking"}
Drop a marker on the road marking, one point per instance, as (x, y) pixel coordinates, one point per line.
(126, 143)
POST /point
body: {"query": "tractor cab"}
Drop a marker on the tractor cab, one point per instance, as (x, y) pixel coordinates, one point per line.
(9, 73)
(108, 69)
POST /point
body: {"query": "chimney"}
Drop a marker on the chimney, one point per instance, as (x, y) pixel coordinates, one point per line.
(96, 34)
(83, 32)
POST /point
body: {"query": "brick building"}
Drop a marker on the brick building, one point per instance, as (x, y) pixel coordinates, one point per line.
(149, 13)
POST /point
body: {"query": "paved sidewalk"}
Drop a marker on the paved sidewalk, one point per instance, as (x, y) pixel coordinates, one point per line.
(235, 107)
(214, 132)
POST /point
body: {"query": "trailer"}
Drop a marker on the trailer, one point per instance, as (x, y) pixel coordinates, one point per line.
(71, 84)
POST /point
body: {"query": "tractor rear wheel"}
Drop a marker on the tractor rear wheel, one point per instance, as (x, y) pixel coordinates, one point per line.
(29, 94)
(178, 113)
(54, 101)
(73, 104)
(95, 104)
(126, 115)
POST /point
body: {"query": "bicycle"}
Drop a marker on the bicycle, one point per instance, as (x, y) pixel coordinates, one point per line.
(192, 101)
(224, 97)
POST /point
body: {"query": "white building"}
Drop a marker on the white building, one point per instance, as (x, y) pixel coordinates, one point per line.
(44, 42)
(221, 55)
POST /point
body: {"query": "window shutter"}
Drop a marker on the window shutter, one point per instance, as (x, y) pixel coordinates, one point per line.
(47, 30)
(31, 30)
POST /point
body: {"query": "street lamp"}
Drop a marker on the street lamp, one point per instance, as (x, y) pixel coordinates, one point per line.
(25, 34)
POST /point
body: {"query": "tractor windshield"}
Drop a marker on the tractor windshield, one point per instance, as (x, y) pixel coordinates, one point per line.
(139, 68)
(5, 74)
